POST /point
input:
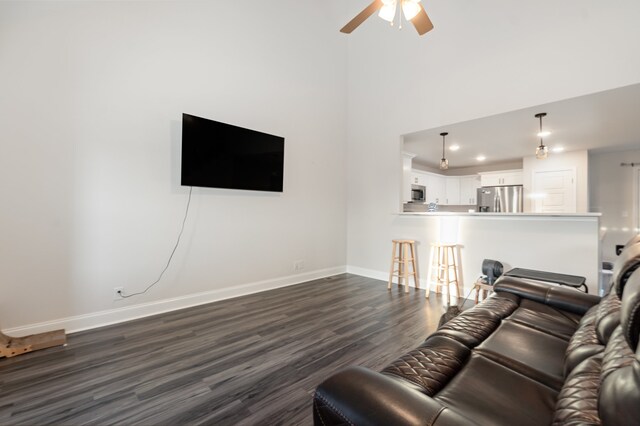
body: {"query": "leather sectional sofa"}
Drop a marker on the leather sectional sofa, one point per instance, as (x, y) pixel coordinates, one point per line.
(532, 354)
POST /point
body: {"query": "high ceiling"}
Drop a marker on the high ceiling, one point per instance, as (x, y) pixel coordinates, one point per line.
(607, 120)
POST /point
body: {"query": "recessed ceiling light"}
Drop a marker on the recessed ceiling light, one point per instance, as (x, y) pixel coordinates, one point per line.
(544, 134)
(454, 147)
(481, 158)
(557, 149)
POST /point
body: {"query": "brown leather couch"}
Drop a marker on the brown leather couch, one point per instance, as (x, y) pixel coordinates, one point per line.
(532, 354)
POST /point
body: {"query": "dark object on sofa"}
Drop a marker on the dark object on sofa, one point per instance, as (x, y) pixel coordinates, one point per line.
(532, 354)
(492, 269)
(449, 314)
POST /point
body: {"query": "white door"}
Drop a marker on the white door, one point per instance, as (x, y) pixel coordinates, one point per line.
(554, 191)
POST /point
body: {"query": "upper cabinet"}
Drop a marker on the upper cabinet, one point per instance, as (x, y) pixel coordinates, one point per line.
(452, 189)
(419, 178)
(469, 190)
(436, 189)
(502, 178)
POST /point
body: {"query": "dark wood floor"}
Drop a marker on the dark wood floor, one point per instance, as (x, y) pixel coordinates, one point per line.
(250, 360)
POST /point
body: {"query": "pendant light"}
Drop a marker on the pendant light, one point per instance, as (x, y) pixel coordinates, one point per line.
(542, 151)
(444, 163)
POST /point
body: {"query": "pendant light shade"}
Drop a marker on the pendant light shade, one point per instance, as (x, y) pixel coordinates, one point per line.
(542, 151)
(444, 163)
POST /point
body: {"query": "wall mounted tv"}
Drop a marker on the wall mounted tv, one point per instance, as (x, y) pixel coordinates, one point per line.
(219, 155)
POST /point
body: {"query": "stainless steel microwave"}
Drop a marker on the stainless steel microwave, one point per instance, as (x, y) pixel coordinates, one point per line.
(418, 193)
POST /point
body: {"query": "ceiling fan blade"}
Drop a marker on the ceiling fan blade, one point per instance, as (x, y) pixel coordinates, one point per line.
(361, 17)
(422, 22)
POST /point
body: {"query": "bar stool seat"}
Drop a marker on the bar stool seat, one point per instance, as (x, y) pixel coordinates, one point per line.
(404, 255)
(443, 269)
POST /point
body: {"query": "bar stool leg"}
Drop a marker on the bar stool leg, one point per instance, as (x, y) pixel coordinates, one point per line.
(445, 263)
(454, 256)
(430, 272)
(416, 280)
(406, 268)
(440, 270)
(393, 264)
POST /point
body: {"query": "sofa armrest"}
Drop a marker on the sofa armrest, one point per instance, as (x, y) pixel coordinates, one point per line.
(362, 397)
(565, 298)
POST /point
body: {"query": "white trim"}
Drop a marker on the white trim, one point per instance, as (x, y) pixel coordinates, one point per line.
(384, 276)
(115, 316)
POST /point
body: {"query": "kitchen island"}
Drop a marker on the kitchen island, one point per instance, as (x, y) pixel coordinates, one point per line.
(567, 243)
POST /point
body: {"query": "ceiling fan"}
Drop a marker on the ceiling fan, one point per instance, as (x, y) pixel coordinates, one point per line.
(411, 9)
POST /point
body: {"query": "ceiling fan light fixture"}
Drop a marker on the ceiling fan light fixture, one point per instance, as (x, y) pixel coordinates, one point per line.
(410, 8)
(388, 11)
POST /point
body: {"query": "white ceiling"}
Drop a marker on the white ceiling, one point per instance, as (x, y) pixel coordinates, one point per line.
(601, 121)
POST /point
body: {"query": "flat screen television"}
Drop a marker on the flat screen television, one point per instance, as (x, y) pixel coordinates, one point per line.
(220, 155)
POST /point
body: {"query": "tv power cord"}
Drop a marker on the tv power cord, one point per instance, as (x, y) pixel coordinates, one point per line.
(184, 220)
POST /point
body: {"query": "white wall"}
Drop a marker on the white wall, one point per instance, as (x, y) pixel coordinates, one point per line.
(575, 160)
(614, 193)
(90, 130)
(482, 58)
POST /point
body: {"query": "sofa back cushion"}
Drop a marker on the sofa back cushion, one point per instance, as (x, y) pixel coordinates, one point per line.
(625, 265)
(619, 400)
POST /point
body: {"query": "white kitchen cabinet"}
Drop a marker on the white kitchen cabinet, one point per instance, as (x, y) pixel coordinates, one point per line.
(452, 188)
(468, 190)
(419, 178)
(436, 188)
(502, 178)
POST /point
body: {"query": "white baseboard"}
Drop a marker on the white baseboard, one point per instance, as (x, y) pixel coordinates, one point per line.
(114, 316)
(384, 276)
(380, 275)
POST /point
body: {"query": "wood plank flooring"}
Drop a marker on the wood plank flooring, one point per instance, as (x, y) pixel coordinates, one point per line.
(252, 360)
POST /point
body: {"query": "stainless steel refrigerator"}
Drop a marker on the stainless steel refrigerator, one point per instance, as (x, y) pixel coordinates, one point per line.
(506, 199)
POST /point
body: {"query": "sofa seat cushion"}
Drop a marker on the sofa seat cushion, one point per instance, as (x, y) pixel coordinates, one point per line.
(578, 400)
(531, 352)
(484, 391)
(431, 365)
(547, 321)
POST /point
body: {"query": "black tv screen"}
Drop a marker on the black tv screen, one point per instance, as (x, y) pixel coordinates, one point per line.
(219, 155)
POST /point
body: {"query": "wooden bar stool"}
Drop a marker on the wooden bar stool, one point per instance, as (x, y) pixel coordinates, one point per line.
(443, 269)
(404, 256)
